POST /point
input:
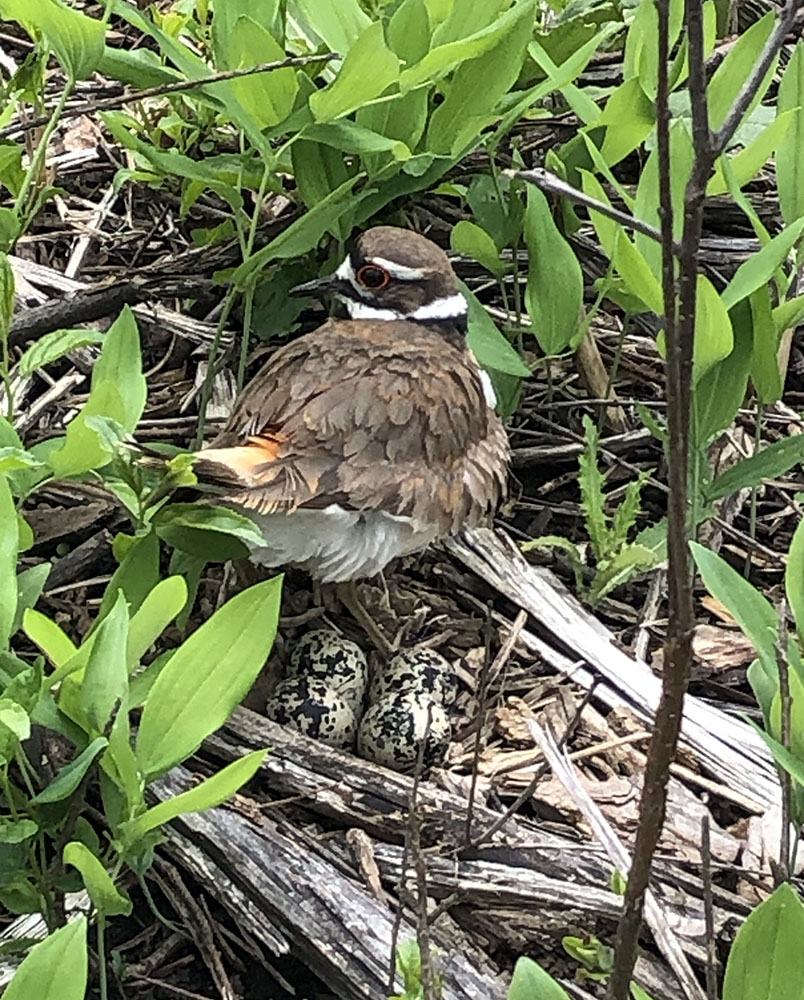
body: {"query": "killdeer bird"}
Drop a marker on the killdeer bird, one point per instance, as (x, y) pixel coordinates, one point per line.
(370, 437)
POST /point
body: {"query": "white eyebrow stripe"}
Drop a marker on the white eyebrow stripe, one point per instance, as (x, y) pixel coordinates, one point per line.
(398, 270)
(346, 271)
(446, 308)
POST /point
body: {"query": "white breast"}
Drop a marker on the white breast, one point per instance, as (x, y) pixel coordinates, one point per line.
(335, 544)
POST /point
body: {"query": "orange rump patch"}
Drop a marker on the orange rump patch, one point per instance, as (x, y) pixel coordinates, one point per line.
(244, 461)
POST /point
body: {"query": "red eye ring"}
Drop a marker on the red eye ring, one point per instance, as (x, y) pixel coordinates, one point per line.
(373, 276)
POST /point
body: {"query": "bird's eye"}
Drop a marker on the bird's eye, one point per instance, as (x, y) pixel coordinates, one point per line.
(372, 276)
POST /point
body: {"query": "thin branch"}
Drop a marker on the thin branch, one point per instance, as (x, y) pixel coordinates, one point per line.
(709, 909)
(786, 863)
(112, 103)
(554, 185)
(723, 136)
(679, 328)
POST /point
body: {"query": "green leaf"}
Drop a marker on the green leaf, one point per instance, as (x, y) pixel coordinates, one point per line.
(753, 612)
(552, 265)
(105, 897)
(488, 344)
(752, 158)
(531, 982)
(76, 39)
(765, 373)
(155, 613)
(369, 68)
(267, 97)
(216, 533)
(117, 393)
(470, 240)
(759, 268)
(16, 831)
(339, 23)
(319, 170)
(70, 776)
(636, 273)
(9, 542)
(135, 577)
(207, 677)
(625, 564)
(105, 683)
(789, 314)
(30, 584)
(735, 69)
(49, 637)
(209, 793)
(768, 463)
(765, 959)
(714, 338)
(53, 346)
(472, 95)
(794, 578)
(629, 118)
(6, 296)
(790, 150)
(55, 969)
(719, 393)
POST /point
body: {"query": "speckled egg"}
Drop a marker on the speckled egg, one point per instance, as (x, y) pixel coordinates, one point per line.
(315, 709)
(416, 670)
(393, 728)
(327, 656)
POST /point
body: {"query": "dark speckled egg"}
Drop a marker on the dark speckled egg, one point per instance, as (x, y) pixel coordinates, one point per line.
(315, 709)
(393, 728)
(422, 671)
(339, 663)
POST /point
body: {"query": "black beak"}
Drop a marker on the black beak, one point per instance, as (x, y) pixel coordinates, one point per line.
(317, 287)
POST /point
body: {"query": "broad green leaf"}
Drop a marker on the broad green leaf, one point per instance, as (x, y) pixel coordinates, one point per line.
(531, 982)
(117, 394)
(636, 273)
(753, 612)
(714, 338)
(646, 205)
(719, 393)
(154, 614)
(369, 68)
(76, 39)
(15, 831)
(55, 969)
(471, 240)
(207, 677)
(606, 228)
(629, 118)
(787, 760)
(641, 50)
(732, 73)
(267, 97)
(105, 897)
(135, 577)
(339, 23)
(14, 717)
(466, 18)
(409, 31)
(794, 577)
(105, 682)
(49, 637)
(216, 533)
(752, 158)
(560, 78)
(441, 59)
(759, 269)
(765, 373)
(319, 170)
(70, 776)
(471, 96)
(9, 543)
(790, 150)
(770, 462)
(209, 793)
(488, 344)
(53, 346)
(351, 137)
(765, 959)
(552, 265)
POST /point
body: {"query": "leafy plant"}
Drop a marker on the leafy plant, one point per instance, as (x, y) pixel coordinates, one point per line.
(616, 559)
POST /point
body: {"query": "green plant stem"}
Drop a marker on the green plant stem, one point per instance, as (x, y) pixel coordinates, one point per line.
(248, 304)
(206, 388)
(752, 510)
(102, 982)
(38, 159)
